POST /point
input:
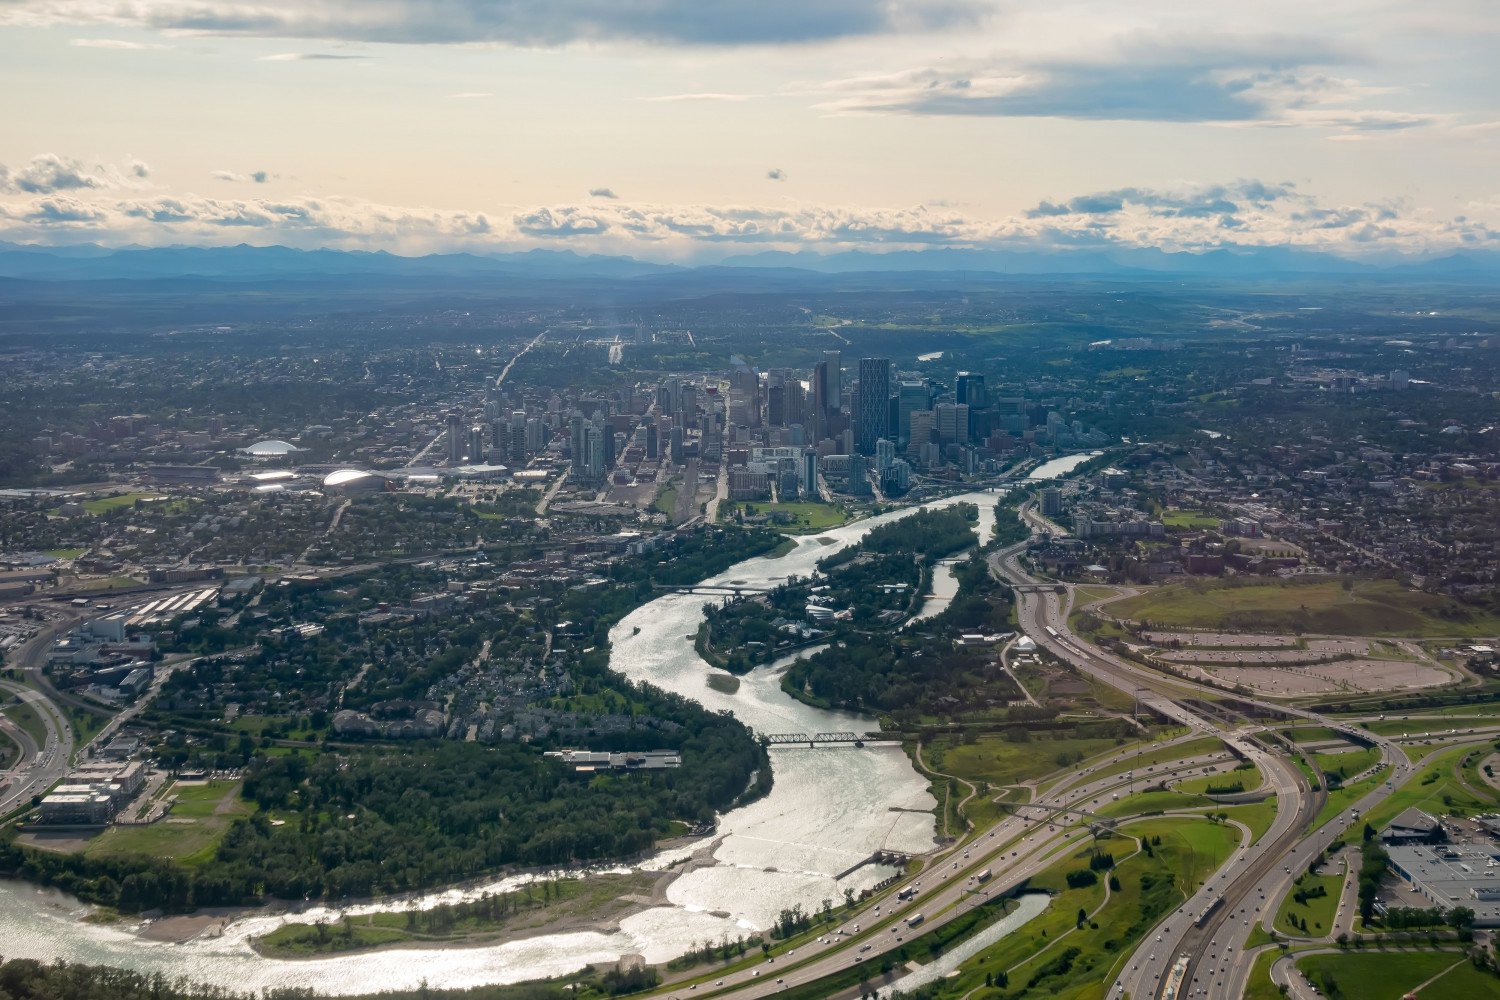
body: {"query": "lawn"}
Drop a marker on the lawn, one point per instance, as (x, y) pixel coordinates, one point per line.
(1317, 912)
(807, 517)
(1151, 802)
(1347, 765)
(23, 715)
(1250, 777)
(1368, 976)
(1001, 762)
(1258, 816)
(1150, 886)
(1432, 789)
(66, 553)
(189, 833)
(1192, 520)
(666, 500)
(1339, 607)
(101, 505)
(1259, 985)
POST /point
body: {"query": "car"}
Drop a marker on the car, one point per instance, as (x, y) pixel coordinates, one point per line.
(718, 982)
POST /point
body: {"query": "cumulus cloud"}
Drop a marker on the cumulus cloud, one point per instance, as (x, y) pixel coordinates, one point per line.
(1243, 213)
(550, 223)
(602, 193)
(1264, 80)
(517, 22)
(776, 174)
(48, 172)
(1192, 202)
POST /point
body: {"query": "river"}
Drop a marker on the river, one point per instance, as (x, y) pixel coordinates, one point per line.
(829, 809)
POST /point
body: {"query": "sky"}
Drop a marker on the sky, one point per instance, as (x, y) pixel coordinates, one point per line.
(700, 129)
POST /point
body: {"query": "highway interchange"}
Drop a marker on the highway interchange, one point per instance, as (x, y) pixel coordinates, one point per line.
(1210, 930)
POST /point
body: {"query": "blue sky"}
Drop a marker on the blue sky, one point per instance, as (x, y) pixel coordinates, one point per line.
(679, 129)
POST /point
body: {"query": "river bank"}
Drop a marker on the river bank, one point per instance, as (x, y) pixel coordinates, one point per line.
(828, 810)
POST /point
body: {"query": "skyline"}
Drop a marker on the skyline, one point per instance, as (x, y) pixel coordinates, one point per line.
(672, 133)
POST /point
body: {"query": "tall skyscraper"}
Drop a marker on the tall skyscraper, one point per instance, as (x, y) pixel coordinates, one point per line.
(455, 439)
(971, 390)
(809, 472)
(833, 381)
(476, 443)
(912, 396)
(873, 404)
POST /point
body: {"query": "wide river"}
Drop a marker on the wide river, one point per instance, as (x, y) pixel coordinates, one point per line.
(829, 809)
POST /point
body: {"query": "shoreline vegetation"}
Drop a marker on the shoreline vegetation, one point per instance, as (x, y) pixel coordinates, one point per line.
(337, 823)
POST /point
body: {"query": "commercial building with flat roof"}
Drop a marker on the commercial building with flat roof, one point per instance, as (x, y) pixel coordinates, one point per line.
(1452, 875)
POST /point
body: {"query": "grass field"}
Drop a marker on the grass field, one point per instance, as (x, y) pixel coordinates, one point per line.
(1347, 765)
(189, 833)
(1258, 816)
(101, 505)
(1249, 777)
(1317, 912)
(807, 517)
(1001, 762)
(1433, 789)
(666, 500)
(1192, 520)
(1151, 802)
(1259, 985)
(1367, 607)
(65, 553)
(23, 715)
(1390, 976)
(1150, 885)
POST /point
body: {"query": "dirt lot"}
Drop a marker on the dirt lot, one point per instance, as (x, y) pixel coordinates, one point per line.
(1354, 676)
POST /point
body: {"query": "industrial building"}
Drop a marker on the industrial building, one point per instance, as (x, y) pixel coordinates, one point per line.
(1452, 875)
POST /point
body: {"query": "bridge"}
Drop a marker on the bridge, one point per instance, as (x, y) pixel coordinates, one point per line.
(798, 739)
(715, 589)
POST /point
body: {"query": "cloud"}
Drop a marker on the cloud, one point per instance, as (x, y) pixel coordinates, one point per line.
(310, 57)
(1185, 216)
(470, 95)
(234, 177)
(701, 97)
(776, 174)
(1246, 80)
(517, 22)
(1192, 202)
(602, 193)
(114, 43)
(551, 223)
(48, 172)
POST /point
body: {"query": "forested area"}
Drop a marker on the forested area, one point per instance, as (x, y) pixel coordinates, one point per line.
(349, 820)
(905, 675)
